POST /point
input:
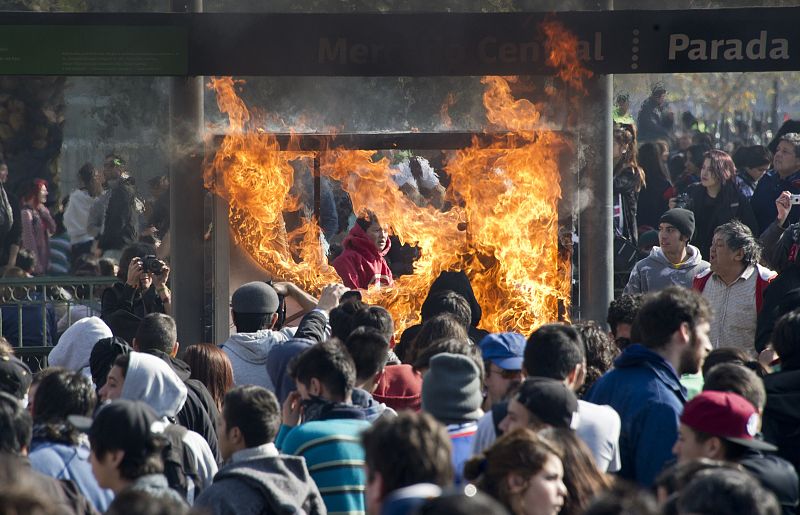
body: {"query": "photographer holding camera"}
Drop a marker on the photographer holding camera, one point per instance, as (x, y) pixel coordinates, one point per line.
(142, 289)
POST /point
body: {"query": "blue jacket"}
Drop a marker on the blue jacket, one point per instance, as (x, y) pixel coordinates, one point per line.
(63, 461)
(646, 391)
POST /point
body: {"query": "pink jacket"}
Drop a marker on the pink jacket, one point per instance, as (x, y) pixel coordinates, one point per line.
(37, 226)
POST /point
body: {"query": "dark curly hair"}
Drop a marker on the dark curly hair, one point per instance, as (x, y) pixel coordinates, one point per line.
(600, 352)
(623, 310)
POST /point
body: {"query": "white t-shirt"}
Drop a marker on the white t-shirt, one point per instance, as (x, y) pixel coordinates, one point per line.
(599, 428)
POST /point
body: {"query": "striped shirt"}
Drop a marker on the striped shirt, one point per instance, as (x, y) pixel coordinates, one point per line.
(734, 310)
(335, 458)
(461, 437)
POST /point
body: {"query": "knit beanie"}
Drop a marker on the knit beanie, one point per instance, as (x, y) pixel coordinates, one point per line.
(682, 219)
(451, 389)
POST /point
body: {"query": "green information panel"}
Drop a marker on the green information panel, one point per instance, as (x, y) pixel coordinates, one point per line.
(93, 50)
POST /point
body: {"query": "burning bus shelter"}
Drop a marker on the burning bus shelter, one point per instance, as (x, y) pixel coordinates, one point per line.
(498, 220)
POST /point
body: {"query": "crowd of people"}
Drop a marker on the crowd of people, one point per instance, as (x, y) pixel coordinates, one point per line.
(340, 415)
(684, 404)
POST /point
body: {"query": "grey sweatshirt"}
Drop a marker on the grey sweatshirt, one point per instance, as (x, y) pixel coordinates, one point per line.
(259, 480)
(248, 354)
(656, 272)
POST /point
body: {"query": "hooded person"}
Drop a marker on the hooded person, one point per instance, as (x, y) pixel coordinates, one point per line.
(147, 378)
(362, 265)
(457, 282)
(674, 262)
(74, 348)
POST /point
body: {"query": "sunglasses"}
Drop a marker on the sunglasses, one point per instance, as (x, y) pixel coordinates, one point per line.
(506, 374)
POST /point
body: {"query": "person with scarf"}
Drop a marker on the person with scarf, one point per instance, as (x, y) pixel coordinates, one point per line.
(325, 375)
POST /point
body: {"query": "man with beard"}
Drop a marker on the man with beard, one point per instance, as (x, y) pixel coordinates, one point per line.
(644, 385)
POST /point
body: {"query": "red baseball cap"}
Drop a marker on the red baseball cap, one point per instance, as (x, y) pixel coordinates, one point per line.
(725, 415)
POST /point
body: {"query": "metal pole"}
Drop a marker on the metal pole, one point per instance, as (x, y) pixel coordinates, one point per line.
(186, 197)
(596, 241)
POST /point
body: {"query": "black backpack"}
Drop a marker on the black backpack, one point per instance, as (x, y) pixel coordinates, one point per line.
(180, 465)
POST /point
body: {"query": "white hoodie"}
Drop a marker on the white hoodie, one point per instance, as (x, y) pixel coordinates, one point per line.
(76, 344)
(151, 380)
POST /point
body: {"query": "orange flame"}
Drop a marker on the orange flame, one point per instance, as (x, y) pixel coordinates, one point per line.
(502, 229)
(562, 54)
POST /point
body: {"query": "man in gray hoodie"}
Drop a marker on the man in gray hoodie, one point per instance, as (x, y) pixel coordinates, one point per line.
(674, 262)
(254, 308)
(256, 478)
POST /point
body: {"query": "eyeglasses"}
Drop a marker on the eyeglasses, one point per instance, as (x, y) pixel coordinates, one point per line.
(506, 374)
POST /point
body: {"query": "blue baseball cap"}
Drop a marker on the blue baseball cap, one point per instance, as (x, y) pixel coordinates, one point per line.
(503, 349)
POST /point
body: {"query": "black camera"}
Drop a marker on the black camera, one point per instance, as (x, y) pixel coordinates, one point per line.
(152, 265)
(683, 201)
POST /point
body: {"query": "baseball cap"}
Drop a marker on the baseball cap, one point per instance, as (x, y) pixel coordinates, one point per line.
(550, 401)
(255, 297)
(503, 349)
(130, 426)
(725, 415)
(15, 376)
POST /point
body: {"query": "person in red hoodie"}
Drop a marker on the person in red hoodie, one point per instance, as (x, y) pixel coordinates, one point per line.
(361, 265)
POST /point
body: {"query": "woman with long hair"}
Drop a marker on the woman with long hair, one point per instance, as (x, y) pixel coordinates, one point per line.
(210, 365)
(716, 200)
(629, 179)
(652, 202)
(583, 479)
(522, 471)
(37, 224)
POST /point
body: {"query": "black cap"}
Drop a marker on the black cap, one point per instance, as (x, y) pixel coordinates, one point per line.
(550, 401)
(256, 297)
(15, 376)
(130, 426)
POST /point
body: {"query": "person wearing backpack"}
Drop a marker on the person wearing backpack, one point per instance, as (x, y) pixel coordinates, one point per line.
(189, 462)
(257, 479)
(126, 439)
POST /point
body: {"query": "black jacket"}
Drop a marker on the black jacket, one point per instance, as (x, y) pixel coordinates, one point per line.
(776, 475)
(781, 419)
(199, 413)
(710, 213)
(121, 225)
(651, 122)
(780, 296)
(627, 185)
(122, 307)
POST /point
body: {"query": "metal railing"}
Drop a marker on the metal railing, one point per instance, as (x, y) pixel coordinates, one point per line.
(35, 311)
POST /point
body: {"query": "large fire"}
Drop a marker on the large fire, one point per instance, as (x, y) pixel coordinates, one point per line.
(502, 229)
